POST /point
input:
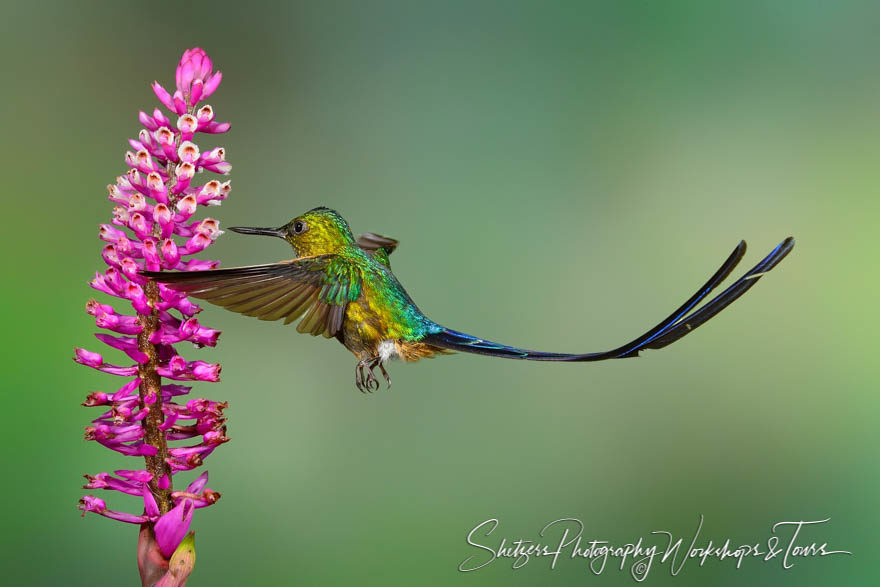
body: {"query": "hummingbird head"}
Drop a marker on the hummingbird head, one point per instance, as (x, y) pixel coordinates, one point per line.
(319, 231)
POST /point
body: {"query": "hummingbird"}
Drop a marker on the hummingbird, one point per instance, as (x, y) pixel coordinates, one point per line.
(341, 287)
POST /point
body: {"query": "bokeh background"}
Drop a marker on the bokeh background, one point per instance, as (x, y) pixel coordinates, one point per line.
(560, 176)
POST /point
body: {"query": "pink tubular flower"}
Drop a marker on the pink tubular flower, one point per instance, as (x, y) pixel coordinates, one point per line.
(153, 228)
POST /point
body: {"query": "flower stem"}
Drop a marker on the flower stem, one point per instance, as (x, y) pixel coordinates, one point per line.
(151, 385)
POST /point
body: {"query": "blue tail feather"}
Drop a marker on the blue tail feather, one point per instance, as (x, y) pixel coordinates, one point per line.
(677, 325)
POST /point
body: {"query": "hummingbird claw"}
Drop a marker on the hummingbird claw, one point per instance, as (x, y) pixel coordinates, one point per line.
(372, 383)
(359, 377)
(385, 374)
(364, 377)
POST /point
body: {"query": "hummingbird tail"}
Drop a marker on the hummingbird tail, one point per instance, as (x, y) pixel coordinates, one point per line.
(677, 325)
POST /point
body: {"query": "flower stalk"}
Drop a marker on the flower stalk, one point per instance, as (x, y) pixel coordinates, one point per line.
(153, 229)
(151, 389)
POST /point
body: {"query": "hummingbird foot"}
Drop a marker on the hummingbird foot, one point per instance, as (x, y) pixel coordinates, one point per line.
(364, 378)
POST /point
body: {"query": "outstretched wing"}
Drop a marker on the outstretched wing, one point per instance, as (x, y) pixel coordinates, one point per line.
(318, 289)
(378, 246)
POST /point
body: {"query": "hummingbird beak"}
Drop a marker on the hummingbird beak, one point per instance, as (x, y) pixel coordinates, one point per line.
(279, 232)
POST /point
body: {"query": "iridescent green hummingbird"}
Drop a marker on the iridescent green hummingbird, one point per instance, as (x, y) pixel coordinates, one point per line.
(343, 287)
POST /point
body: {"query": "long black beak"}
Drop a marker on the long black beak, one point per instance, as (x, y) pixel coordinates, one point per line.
(279, 232)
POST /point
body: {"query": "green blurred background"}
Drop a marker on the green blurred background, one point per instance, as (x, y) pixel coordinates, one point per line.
(560, 176)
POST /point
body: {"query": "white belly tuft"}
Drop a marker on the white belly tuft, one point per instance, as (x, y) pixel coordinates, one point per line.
(387, 350)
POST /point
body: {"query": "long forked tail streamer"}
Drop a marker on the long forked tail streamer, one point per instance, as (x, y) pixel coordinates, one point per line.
(677, 325)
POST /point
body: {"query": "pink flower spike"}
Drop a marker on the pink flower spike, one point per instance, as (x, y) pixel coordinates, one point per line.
(173, 526)
(154, 202)
(163, 96)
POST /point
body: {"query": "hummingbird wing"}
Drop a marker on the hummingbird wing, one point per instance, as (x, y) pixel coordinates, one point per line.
(318, 289)
(378, 246)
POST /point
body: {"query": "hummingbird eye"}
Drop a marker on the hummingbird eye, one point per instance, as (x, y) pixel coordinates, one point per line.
(299, 227)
